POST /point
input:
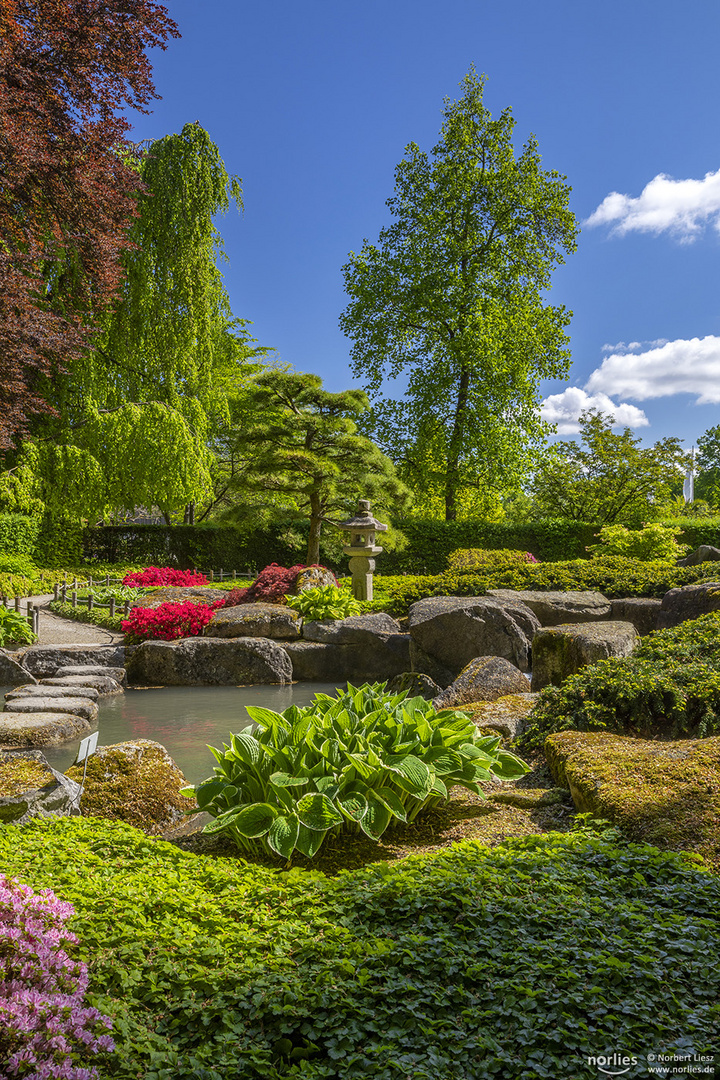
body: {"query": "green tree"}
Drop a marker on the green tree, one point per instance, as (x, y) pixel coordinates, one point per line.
(607, 477)
(301, 442)
(707, 483)
(452, 300)
(136, 415)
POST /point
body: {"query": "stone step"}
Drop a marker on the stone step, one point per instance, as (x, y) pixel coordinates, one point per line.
(33, 690)
(117, 673)
(78, 706)
(41, 728)
(102, 683)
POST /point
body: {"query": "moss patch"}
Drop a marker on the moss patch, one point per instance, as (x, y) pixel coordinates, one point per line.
(134, 782)
(19, 776)
(661, 793)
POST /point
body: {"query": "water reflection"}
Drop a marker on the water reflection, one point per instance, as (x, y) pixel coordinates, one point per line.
(185, 719)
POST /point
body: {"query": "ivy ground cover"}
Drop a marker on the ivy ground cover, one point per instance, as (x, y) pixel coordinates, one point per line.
(520, 961)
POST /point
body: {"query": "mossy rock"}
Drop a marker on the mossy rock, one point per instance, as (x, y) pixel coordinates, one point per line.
(136, 782)
(661, 793)
(30, 787)
(506, 715)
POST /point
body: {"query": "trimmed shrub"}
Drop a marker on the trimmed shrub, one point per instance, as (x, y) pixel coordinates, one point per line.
(325, 602)
(163, 575)
(468, 559)
(651, 542)
(167, 622)
(18, 534)
(45, 1030)
(669, 687)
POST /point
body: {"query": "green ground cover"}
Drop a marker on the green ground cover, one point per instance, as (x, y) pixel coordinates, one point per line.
(512, 962)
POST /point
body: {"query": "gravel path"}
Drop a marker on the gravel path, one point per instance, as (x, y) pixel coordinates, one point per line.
(57, 631)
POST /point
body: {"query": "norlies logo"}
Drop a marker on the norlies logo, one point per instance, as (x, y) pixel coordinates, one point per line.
(610, 1064)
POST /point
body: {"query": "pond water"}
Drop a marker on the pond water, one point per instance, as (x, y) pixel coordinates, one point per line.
(185, 719)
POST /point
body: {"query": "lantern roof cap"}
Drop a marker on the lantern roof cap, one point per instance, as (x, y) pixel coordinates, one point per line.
(363, 519)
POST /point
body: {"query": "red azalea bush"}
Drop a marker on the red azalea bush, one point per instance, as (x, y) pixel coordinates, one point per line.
(164, 575)
(270, 586)
(169, 621)
(44, 1025)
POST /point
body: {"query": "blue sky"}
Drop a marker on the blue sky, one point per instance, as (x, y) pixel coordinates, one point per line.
(312, 105)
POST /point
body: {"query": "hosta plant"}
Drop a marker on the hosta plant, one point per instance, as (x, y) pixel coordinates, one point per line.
(14, 627)
(363, 760)
(325, 602)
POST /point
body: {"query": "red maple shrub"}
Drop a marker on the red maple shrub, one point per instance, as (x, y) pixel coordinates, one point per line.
(67, 69)
(167, 622)
(164, 575)
(270, 586)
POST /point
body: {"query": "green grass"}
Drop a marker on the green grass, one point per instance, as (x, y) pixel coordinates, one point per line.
(474, 963)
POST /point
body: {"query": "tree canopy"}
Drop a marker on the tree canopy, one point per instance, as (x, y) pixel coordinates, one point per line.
(136, 415)
(301, 442)
(607, 477)
(451, 300)
(67, 68)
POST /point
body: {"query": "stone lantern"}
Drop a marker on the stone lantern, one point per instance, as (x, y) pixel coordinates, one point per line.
(361, 548)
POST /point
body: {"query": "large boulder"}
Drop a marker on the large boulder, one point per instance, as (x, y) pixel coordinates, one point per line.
(137, 782)
(255, 620)
(313, 577)
(641, 611)
(41, 728)
(560, 651)
(556, 608)
(415, 684)
(43, 660)
(452, 630)
(30, 787)
(485, 678)
(13, 673)
(381, 659)
(102, 683)
(355, 630)
(506, 716)
(661, 793)
(688, 602)
(704, 553)
(80, 706)
(201, 661)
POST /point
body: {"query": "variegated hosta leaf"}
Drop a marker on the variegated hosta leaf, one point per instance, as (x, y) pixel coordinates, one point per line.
(309, 841)
(508, 767)
(247, 748)
(415, 776)
(281, 779)
(283, 833)
(316, 811)
(393, 802)
(353, 806)
(255, 820)
(377, 818)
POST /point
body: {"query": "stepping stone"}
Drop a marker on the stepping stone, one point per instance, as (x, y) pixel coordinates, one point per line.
(41, 728)
(117, 673)
(78, 706)
(102, 683)
(87, 692)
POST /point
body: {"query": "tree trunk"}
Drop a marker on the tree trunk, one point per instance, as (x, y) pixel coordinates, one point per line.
(452, 476)
(313, 548)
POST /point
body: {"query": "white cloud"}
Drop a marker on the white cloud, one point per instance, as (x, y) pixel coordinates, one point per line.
(633, 346)
(674, 367)
(681, 207)
(564, 410)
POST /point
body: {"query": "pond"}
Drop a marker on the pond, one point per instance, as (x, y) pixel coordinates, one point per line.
(185, 719)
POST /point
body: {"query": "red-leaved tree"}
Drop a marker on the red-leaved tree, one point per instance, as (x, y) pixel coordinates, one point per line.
(66, 192)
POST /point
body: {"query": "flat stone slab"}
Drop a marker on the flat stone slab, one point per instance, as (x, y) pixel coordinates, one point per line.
(102, 683)
(30, 787)
(117, 673)
(274, 621)
(89, 693)
(41, 728)
(355, 630)
(556, 607)
(12, 673)
(174, 594)
(44, 660)
(506, 716)
(560, 651)
(201, 661)
(453, 630)
(77, 705)
(484, 679)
